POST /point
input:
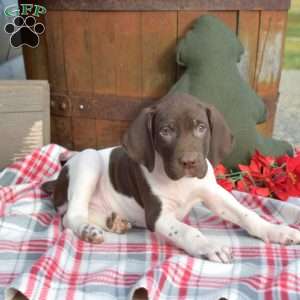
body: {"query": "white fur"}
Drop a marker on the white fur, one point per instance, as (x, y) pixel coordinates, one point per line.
(92, 198)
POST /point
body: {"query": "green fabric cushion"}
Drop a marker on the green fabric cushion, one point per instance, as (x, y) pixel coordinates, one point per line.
(210, 52)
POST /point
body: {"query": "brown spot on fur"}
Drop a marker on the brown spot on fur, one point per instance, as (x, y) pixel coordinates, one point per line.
(128, 179)
(58, 187)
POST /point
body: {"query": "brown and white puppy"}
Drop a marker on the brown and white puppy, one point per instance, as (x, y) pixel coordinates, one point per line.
(163, 168)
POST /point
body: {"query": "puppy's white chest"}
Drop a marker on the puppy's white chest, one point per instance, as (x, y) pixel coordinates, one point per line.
(178, 197)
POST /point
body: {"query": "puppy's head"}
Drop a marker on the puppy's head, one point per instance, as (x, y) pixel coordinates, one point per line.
(183, 131)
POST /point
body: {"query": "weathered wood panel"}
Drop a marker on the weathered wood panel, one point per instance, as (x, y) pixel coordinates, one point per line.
(24, 123)
(269, 62)
(117, 69)
(270, 52)
(78, 64)
(146, 5)
(109, 133)
(159, 35)
(116, 53)
(36, 60)
(77, 51)
(84, 133)
(61, 131)
(248, 31)
(55, 38)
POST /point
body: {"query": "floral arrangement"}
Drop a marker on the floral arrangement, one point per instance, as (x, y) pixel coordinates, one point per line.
(264, 176)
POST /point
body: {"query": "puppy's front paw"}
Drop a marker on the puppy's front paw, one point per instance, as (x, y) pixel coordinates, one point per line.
(91, 233)
(282, 234)
(220, 254)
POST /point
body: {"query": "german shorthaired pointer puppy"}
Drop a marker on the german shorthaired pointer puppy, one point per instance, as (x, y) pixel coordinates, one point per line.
(163, 168)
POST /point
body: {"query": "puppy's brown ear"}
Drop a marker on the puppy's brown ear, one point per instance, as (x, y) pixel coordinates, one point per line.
(221, 140)
(138, 140)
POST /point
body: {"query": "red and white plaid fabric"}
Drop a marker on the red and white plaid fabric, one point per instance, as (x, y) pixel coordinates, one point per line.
(43, 261)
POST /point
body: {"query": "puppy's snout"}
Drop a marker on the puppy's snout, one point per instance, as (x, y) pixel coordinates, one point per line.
(189, 161)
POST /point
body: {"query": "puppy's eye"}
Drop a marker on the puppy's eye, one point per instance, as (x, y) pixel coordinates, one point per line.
(199, 128)
(165, 131)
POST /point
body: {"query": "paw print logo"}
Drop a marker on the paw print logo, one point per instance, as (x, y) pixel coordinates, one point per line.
(24, 31)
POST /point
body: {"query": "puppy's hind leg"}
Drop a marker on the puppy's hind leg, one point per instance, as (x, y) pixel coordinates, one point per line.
(85, 170)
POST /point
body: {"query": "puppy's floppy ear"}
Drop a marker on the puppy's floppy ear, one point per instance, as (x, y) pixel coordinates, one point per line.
(138, 140)
(221, 139)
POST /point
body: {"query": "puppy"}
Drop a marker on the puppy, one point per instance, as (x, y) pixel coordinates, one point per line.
(163, 168)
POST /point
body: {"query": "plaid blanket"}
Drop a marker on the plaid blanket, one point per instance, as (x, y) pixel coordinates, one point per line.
(44, 261)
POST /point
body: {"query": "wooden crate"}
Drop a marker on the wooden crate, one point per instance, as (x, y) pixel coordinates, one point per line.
(107, 59)
(24, 118)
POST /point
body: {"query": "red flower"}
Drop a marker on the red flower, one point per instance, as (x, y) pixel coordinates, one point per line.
(227, 184)
(220, 170)
(264, 176)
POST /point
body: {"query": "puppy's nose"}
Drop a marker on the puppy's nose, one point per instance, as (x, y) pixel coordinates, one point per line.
(188, 162)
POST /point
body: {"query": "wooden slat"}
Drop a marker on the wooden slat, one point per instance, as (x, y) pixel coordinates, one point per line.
(146, 5)
(128, 58)
(117, 65)
(83, 131)
(116, 53)
(13, 99)
(270, 52)
(106, 107)
(24, 118)
(248, 30)
(159, 35)
(269, 62)
(35, 59)
(61, 131)
(103, 53)
(77, 51)
(109, 132)
(57, 76)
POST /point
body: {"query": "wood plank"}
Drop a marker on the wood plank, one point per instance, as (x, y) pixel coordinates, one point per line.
(146, 5)
(248, 30)
(24, 124)
(129, 56)
(54, 35)
(109, 132)
(103, 52)
(23, 96)
(84, 133)
(61, 131)
(79, 72)
(24, 133)
(116, 53)
(159, 35)
(270, 52)
(269, 62)
(108, 107)
(118, 40)
(77, 51)
(35, 59)
(266, 128)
